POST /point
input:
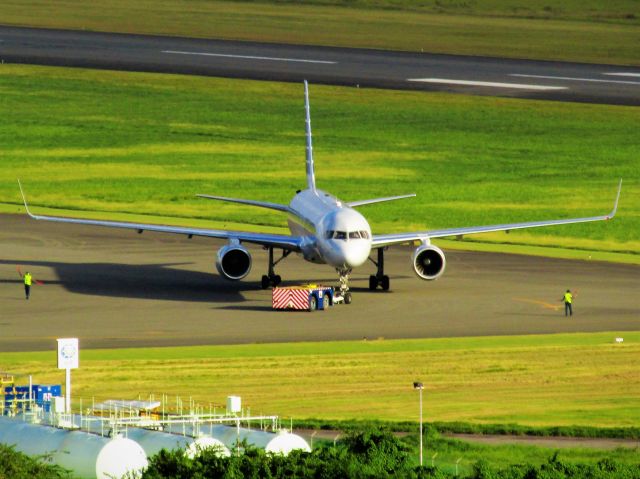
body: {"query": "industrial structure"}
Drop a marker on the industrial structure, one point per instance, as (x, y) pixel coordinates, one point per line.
(114, 438)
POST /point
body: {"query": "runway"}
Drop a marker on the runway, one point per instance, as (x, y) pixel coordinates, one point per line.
(558, 81)
(120, 289)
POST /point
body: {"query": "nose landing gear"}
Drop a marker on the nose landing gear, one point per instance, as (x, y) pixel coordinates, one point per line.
(344, 286)
(379, 279)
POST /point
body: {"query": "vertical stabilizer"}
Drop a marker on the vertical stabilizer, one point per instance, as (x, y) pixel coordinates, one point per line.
(311, 177)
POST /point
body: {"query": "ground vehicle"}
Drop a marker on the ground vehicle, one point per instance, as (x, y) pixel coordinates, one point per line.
(305, 297)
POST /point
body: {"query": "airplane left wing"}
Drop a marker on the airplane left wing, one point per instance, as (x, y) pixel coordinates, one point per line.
(380, 241)
(292, 243)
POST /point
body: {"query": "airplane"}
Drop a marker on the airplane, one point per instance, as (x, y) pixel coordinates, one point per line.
(324, 230)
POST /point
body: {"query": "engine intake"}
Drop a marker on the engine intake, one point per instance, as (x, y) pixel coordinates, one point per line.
(233, 261)
(428, 262)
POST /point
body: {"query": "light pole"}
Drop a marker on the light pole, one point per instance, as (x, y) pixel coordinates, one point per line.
(419, 386)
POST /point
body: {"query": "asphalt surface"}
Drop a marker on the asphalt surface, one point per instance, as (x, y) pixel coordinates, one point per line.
(116, 288)
(337, 66)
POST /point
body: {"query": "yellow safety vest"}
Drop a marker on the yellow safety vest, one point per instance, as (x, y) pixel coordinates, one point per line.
(568, 298)
(27, 279)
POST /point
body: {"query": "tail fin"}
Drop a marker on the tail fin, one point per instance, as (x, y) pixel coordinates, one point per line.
(311, 177)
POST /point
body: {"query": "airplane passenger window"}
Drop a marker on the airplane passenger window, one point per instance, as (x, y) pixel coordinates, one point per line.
(340, 235)
(354, 234)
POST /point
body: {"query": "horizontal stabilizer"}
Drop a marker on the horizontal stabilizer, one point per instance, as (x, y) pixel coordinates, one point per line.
(261, 204)
(378, 200)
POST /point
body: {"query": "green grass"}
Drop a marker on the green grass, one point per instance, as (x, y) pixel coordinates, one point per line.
(109, 143)
(590, 31)
(567, 379)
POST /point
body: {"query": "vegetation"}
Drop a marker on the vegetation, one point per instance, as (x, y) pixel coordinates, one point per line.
(591, 31)
(371, 454)
(114, 143)
(14, 465)
(537, 380)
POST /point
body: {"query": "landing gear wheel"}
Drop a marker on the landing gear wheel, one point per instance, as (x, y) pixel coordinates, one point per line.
(347, 298)
(277, 279)
(373, 283)
(326, 302)
(313, 303)
(265, 281)
(385, 283)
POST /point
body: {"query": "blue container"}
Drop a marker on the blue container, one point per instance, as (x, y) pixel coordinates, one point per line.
(41, 394)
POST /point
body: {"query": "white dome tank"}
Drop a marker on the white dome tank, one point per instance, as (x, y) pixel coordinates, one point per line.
(86, 455)
(281, 443)
(154, 441)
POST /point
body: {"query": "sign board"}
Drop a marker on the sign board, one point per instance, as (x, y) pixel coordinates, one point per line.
(68, 353)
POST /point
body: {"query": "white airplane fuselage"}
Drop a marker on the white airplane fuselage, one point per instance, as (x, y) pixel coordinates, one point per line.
(334, 233)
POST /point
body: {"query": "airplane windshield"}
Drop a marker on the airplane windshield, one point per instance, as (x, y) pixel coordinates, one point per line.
(342, 235)
(354, 235)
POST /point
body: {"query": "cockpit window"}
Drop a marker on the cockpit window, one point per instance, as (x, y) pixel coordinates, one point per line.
(342, 235)
(364, 234)
(329, 234)
(354, 235)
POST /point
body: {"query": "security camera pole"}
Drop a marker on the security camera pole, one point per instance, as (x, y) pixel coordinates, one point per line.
(420, 387)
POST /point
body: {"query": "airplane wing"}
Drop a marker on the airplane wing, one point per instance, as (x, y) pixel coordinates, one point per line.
(380, 241)
(287, 242)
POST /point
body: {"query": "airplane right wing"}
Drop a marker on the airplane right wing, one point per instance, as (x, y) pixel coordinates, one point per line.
(380, 241)
(287, 242)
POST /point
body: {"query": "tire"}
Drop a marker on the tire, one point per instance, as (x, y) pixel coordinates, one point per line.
(277, 279)
(373, 283)
(385, 283)
(347, 298)
(265, 282)
(326, 301)
(313, 303)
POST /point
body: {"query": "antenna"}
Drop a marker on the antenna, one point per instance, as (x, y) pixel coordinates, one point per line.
(311, 177)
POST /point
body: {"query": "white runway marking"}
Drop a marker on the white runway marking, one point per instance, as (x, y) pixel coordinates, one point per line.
(249, 57)
(520, 86)
(636, 75)
(575, 79)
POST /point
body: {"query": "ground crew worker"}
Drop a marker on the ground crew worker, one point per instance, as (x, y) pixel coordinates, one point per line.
(568, 299)
(27, 284)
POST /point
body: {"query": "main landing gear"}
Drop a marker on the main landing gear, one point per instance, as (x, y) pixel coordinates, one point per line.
(380, 279)
(271, 278)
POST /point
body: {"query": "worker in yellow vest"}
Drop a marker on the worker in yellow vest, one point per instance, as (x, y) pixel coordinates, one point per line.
(27, 283)
(568, 299)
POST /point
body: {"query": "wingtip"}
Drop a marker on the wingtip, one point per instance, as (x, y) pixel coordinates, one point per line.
(24, 199)
(615, 205)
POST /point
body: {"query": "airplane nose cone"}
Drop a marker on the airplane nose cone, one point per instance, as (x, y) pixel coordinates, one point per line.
(355, 254)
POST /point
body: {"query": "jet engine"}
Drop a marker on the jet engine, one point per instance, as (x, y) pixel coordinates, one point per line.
(233, 261)
(428, 262)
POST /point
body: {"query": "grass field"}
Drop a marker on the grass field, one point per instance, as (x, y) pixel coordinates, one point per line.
(569, 379)
(111, 143)
(589, 31)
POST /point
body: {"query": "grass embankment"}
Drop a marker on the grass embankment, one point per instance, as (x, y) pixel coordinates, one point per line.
(111, 143)
(575, 30)
(550, 380)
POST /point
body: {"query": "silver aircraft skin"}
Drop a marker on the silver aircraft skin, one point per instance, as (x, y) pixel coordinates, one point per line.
(325, 230)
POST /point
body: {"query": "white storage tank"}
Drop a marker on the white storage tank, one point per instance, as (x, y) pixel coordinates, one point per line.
(86, 455)
(154, 441)
(282, 442)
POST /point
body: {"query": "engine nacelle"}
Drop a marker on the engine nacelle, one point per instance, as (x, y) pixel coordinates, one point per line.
(428, 262)
(233, 261)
